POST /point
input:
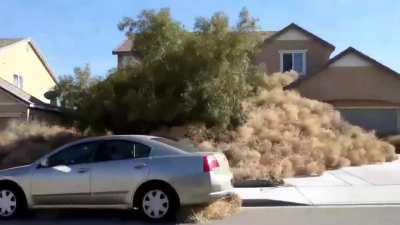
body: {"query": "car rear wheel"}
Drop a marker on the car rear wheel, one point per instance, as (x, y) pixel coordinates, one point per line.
(157, 204)
(9, 203)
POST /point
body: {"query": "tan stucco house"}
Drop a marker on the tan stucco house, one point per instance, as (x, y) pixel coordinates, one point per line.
(25, 77)
(366, 92)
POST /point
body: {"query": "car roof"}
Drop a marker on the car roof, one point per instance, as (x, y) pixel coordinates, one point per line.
(116, 137)
(158, 148)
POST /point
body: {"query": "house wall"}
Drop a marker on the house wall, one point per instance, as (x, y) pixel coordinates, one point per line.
(316, 56)
(126, 59)
(369, 84)
(11, 107)
(365, 94)
(20, 58)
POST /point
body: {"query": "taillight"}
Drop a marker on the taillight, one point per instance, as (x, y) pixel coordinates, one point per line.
(210, 163)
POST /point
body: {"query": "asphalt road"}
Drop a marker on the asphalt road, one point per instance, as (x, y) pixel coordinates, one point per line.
(327, 215)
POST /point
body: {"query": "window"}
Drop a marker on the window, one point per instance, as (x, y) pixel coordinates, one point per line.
(77, 154)
(120, 150)
(18, 81)
(127, 60)
(293, 60)
(141, 151)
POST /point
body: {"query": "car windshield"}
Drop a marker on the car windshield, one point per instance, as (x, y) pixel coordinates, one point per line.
(184, 144)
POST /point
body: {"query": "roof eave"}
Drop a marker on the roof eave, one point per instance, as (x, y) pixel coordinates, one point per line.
(44, 107)
(295, 26)
(43, 60)
(347, 51)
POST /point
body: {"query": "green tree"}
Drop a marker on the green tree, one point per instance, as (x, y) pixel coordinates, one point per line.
(72, 88)
(199, 76)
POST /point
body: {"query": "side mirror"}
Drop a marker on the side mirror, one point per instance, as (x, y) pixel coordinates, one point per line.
(43, 163)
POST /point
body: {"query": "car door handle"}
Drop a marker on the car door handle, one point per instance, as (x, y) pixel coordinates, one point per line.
(140, 166)
(83, 170)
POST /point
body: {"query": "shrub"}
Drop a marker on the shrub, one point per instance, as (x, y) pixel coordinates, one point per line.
(24, 142)
(394, 140)
(288, 135)
(217, 210)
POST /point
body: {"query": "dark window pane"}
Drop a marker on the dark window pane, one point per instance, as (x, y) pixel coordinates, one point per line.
(115, 150)
(77, 154)
(298, 62)
(287, 62)
(141, 151)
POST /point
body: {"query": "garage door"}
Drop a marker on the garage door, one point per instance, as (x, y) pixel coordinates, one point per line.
(383, 121)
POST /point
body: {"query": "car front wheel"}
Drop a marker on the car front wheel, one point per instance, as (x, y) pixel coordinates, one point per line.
(157, 204)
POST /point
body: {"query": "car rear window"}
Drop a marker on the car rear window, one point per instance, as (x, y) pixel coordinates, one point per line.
(184, 144)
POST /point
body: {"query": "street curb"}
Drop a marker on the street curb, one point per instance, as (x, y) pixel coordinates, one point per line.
(255, 184)
(268, 203)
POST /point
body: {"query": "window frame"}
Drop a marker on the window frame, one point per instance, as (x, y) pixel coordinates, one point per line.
(18, 81)
(69, 147)
(292, 52)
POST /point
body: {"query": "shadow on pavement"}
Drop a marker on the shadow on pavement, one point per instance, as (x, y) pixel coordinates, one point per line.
(268, 203)
(80, 217)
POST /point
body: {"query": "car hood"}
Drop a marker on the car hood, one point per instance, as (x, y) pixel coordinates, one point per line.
(15, 171)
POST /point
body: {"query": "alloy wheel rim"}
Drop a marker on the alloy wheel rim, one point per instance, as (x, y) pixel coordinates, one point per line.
(155, 204)
(8, 203)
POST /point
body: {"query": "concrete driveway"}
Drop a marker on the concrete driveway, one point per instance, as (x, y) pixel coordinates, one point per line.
(370, 184)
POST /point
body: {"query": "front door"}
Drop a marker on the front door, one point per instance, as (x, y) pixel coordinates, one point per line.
(119, 166)
(65, 180)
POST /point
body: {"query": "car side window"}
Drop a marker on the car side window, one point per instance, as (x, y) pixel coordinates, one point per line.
(76, 154)
(114, 150)
(141, 151)
(120, 150)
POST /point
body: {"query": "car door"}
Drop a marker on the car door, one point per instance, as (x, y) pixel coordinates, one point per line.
(65, 180)
(119, 167)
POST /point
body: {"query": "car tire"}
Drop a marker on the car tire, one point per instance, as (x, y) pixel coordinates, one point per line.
(12, 202)
(158, 204)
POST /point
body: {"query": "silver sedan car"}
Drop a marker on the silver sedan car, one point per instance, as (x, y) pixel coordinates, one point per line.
(152, 174)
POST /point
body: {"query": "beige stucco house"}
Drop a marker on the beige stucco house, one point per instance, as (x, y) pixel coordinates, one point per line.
(365, 91)
(25, 77)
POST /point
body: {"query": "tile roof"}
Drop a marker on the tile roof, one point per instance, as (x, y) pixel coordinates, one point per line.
(126, 46)
(267, 34)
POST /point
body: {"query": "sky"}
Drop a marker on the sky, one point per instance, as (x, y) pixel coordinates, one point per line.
(72, 33)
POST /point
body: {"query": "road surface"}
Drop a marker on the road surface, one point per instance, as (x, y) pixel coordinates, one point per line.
(309, 215)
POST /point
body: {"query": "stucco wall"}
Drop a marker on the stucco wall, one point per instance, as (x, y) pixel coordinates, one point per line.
(21, 59)
(352, 83)
(317, 54)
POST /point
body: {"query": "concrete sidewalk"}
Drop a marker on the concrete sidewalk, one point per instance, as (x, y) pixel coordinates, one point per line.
(371, 184)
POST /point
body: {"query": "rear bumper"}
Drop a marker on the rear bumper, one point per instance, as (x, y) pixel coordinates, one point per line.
(221, 186)
(220, 194)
